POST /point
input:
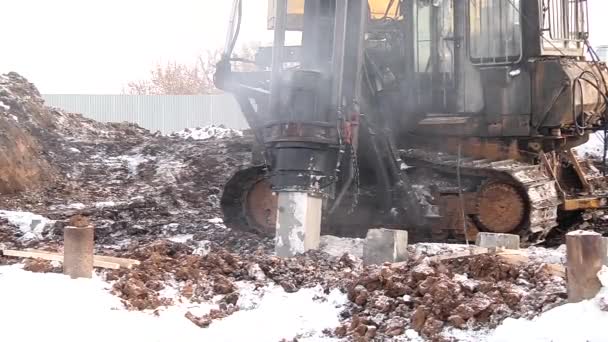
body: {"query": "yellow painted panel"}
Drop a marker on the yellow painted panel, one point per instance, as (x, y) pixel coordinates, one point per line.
(295, 9)
(583, 204)
(379, 7)
(295, 6)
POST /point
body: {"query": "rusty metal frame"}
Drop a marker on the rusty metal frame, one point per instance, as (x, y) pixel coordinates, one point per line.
(551, 166)
(579, 170)
(577, 204)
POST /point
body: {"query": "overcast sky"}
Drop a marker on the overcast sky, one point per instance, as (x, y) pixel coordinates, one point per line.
(96, 47)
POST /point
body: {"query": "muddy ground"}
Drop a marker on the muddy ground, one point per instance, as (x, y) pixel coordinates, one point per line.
(156, 199)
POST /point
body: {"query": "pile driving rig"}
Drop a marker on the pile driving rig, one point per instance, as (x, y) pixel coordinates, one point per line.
(442, 117)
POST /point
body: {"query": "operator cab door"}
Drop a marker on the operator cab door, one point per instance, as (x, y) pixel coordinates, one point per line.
(495, 50)
(436, 47)
(467, 63)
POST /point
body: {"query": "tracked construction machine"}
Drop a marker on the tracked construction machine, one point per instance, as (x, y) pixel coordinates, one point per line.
(442, 117)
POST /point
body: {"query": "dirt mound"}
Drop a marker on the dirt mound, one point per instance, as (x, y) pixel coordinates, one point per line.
(309, 270)
(38, 138)
(41, 266)
(198, 278)
(474, 293)
(134, 185)
(23, 164)
(190, 275)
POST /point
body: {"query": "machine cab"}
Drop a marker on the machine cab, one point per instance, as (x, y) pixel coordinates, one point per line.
(449, 57)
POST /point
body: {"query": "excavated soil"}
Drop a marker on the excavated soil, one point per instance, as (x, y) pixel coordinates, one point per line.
(134, 185)
(472, 293)
(41, 266)
(202, 276)
(22, 119)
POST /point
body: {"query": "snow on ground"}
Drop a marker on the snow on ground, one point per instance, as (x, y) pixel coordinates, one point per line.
(181, 238)
(132, 162)
(4, 106)
(278, 315)
(107, 204)
(77, 206)
(577, 322)
(538, 254)
(547, 255)
(467, 335)
(52, 307)
(208, 132)
(433, 249)
(451, 334)
(594, 147)
(31, 225)
(336, 246)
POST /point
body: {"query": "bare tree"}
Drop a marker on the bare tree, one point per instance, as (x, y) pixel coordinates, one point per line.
(183, 79)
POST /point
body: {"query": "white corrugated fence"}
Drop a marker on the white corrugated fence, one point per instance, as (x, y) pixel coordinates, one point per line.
(164, 113)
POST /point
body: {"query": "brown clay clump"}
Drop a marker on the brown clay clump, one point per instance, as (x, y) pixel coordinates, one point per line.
(472, 292)
(40, 266)
(165, 263)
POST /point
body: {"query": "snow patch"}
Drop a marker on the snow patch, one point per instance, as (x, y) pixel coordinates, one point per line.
(132, 162)
(548, 255)
(277, 315)
(170, 291)
(203, 248)
(208, 132)
(108, 204)
(594, 147)
(181, 238)
(4, 106)
(255, 272)
(31, 225)
(337, 247)
(35, 304)
(77, 206)
(539, 254)
(412, 335)
(171, 227)
(603, 275)
(267, 314)
(460, 335)
(583, 233)
(434, 249)
(574, 322)
(216, 220)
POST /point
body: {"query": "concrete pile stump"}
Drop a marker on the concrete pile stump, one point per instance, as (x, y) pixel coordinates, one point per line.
(606, 244)
(495, 240)
(586, 254)
(78, 248)
(298, 228)
(385, 245)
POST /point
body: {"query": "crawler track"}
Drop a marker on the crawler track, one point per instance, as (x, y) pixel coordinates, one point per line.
(540, 199)
(241, 211)
(512, 196)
